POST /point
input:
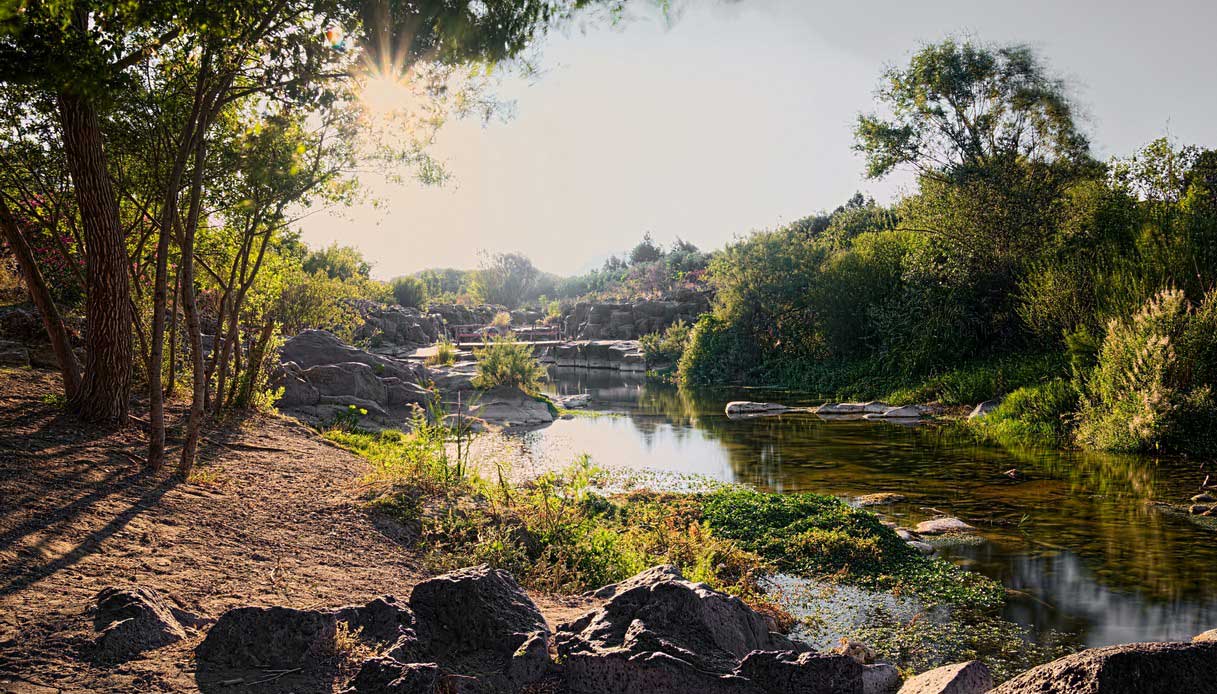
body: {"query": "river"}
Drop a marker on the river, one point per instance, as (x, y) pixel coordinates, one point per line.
(1074, 534)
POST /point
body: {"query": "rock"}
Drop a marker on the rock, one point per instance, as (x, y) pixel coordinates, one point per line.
(856, 650)
(939, 526)
(906, 534)
(905, 412)
(297, 392)
(923, 547)
(574, 402)
(13, 354)
(1197, 509)
(387, 676)
(1204, 498)
(1137, 668)
(786, 672)
(267, 637)
(478, 622)
(508, 406)
(657, 633)
(880, 678)
(741, 408)
(847, 408)
(395, 329)
(318, 347)
(284, 637)
(984, 408)
(971, 677)
(880, 499)
(1205, 637)
(649, 577)
(132, 621)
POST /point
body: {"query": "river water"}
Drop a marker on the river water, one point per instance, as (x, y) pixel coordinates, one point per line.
(1075, 535)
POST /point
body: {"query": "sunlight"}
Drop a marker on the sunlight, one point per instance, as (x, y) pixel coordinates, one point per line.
(384, 95)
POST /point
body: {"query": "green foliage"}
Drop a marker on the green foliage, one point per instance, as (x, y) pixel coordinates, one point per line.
(506, 362)
(1152, 386)
(822, 536)
(410, 292)
(504, 278)
(337, 262)
(646, 251)
(1040, 415)
(667, 347)
(445, 354)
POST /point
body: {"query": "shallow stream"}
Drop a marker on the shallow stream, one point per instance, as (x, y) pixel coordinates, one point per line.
(1075, 536)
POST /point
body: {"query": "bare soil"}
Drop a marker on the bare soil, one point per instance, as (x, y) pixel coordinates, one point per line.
(273, 516)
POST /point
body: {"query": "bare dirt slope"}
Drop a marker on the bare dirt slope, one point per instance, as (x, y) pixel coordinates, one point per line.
(273, 519)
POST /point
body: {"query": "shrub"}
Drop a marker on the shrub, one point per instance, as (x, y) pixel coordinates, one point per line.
(410, 291)
(667, 346)
(501, 322)
(1039, 415)
(716, 353)
(1152, 387)
(505, 362)
(445, 354)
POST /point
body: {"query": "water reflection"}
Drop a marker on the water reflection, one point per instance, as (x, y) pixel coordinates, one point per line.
(1074, 534)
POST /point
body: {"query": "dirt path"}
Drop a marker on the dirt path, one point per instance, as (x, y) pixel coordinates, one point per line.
(273, 519)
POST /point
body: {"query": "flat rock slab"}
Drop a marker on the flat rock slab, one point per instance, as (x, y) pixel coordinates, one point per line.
(972, 677)
(746, 407)
(880, 499)
(939, 526)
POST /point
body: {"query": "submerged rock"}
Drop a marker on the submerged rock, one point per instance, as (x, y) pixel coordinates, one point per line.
(745, 407)
(984, 408)
(904, 412)
(1136, 668)
(971, 677)
(132, 621)
(880, 499)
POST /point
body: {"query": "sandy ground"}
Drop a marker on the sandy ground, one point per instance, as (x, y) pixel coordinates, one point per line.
(273, 518)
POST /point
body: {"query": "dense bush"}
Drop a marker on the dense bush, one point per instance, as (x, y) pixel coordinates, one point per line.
(410, 292)
(1152, 387)
(668, 346)
(505, 362)
(1039, 415)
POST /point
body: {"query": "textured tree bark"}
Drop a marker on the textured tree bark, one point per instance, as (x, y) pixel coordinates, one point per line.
(41, 295)
(105, 389)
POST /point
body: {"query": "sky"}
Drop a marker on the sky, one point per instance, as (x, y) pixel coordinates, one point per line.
(736, 116)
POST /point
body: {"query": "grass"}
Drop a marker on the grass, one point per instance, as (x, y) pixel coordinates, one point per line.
(445, 354)
(1039, 416)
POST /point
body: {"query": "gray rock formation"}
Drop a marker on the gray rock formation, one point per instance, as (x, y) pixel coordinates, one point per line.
(508, 406)
(396, 330)
(971, 677)
(1137, 668)
(880, 678)
(383, 675)
(745, 408)
(659, 633)
(629, 321)
(622, 355)
(131, 621)
(939, 526)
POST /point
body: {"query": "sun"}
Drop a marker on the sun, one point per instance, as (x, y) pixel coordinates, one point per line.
(385, 95)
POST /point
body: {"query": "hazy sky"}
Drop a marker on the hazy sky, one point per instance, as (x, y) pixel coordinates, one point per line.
(738, 116)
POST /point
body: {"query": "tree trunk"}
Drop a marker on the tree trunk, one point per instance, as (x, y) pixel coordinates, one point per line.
(105, 390)
(253, 365)
(41, 295)
(172, 377)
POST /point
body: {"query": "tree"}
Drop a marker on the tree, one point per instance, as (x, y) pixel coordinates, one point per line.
(646, 251)
(410, 292)
(504, 278)
(960, 107)
(338, 262)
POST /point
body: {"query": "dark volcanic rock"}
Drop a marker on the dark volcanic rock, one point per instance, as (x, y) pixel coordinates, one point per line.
(132, 621)
(661, 634)
(478, 622)
(388, 676)
(786, 672)
(1137, 668)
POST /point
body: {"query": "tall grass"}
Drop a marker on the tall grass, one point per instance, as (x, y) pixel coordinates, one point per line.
(506, 362)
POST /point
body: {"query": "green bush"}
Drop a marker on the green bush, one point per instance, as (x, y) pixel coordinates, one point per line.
(1039, 415)
(445, 354)
(410, 292)
(716, 353)
(1152, 388)
(668, 346)
(506, 362)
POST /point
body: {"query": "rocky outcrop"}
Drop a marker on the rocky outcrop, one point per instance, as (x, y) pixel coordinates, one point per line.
(396, 330)
(131, 621)
(622, 355)
(24, 342)
(939, 526)
(971, 677)
(629, 321)
(383, 675)
(745, 408)
(508, 406)
(1138, 668)
(322, 378)
(659, 633)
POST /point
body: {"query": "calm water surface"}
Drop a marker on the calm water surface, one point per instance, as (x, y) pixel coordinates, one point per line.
(1075, 535)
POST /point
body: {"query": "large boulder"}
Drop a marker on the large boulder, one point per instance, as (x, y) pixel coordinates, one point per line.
(382, 675)
(284, 637)
(508, 406)
(1137, 668)
(479, 623)
(659, 633)
(786, 672)
(14, 354)
(319, 347)
(131, 621)
(971, 677)
(396, 330)
(349, 379)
